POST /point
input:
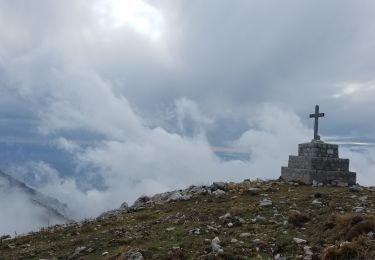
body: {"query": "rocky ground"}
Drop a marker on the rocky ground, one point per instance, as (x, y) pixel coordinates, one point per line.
(248, 220)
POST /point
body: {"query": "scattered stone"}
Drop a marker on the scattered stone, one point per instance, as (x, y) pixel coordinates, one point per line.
(141, 201)
(177, 196)
(285, 223)
(111, 213)
(198, 190)
(133, 254)
(79, 250)
(225, 216)
(355, 188)
(317, 202)
(259, 219)
(215, 246)
(257, 241)
(240, 220)
(279, 257)
(253, 241)
(299, 240)
(253, 191)
(218, 192)
(125, 207)
(12, 246)
(211, 228)
(308, 253)
(265, 202)
(26, 245)
(105, 253)
(218, 186)
(195, 231)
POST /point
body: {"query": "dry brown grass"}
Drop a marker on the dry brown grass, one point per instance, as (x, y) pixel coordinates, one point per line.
(354, 225)
(296, 218)
(348, 219)
(362, 227)
(357, 249)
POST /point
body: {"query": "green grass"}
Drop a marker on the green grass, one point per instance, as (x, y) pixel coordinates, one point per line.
(147, 229)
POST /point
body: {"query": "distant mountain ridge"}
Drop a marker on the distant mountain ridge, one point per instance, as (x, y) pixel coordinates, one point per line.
(54, 209)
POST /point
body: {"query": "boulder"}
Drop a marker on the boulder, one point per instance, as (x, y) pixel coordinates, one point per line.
(133, 254)
(215, 246)
(177, 196)
(141, 202)
(265, 202)
(218, 185)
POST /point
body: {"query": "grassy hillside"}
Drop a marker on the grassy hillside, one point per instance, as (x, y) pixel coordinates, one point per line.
(249, 220)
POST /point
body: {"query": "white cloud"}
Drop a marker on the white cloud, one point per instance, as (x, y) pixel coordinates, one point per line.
(75, 77)
(362, 161)
(189, 116)
(355, 91)
(66, 145)
(19, 215)
(35, 173)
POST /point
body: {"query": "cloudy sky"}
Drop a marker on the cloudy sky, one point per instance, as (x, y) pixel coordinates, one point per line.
(105, 100)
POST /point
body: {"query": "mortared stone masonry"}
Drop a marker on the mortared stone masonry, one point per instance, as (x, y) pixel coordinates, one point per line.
(318, 162)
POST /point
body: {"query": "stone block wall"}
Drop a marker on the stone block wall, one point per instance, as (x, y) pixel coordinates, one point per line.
(320, 162)
(318, 149)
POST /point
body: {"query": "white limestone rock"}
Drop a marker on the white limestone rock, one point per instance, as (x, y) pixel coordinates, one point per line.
(215, 246)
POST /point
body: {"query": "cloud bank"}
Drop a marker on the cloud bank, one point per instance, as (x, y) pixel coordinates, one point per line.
(135, 105)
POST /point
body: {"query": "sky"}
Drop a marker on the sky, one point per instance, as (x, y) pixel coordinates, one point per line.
(105, 100)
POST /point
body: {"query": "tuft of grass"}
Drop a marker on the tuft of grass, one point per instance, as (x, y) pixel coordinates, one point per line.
(362, 227)
(357, 249)
(296, 218)
(347, 220)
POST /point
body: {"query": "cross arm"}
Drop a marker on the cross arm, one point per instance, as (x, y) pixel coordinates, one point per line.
(314, 115)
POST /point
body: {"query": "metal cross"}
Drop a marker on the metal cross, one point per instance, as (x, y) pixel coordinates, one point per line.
(316, 116)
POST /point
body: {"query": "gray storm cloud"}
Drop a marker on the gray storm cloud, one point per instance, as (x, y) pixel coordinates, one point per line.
(156, 91)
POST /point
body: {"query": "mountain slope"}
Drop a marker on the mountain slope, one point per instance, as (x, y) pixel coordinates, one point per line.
(263, 220)
(17, 197)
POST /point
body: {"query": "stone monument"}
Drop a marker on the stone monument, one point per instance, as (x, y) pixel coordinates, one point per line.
(318, 162)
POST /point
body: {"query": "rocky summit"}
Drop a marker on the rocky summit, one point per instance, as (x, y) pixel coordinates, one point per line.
(247, 220)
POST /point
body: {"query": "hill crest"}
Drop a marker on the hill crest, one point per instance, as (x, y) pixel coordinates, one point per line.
(259, 219)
